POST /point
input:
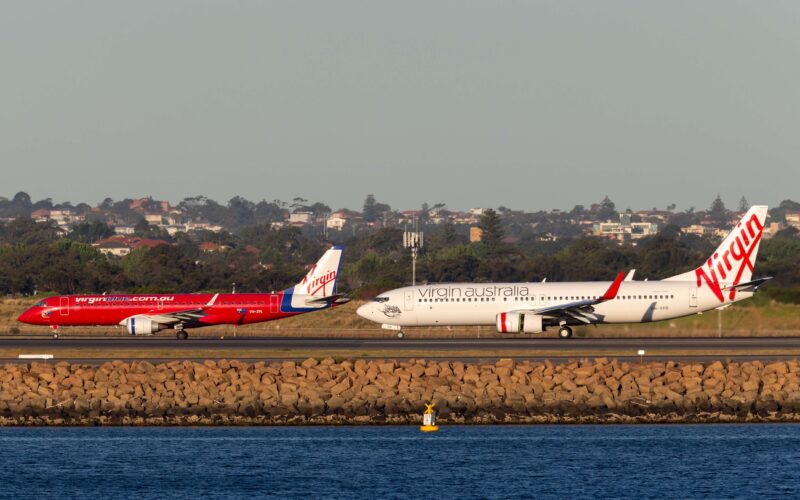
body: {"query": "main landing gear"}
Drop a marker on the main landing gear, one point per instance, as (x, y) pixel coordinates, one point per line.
(564, 332)
(181, 335)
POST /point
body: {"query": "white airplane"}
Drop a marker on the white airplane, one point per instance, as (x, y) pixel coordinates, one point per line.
(725, 278)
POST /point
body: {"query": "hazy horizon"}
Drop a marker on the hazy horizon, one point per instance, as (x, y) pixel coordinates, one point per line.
(530, 105)
(357, 206)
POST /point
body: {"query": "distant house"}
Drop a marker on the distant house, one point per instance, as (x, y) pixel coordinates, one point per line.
(695, 229)
(338, 219)
(141, 205)
(154, 219)
(211, 247)
(463, 218)
(772, 228)
(121, 245)
(203, 226)
(65, 217)
(300, 218)
(113, 247)
(624, 230)
(40, 215)
(793, 219)
(475, 234)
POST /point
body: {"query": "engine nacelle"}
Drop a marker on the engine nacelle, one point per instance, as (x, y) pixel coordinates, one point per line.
(509, 323)
(519, 323)
(141, 325)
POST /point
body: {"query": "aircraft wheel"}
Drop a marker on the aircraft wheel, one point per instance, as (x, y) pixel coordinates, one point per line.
(182, 335)
(401, 335)
(565, 332)
(55, 335)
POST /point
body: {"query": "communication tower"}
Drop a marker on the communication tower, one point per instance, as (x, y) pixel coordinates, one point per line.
(413, 240)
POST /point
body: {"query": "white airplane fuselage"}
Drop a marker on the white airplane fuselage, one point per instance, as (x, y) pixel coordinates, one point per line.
(725, 277)
(472, 304)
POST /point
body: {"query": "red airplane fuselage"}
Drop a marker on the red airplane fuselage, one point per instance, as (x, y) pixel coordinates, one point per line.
(227, 309)
(146, 314)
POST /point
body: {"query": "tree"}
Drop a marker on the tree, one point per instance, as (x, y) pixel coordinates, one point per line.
(577, 210)
(19, 206)
(444, 237)
(607, 209)
(373, 210)
(717, 211)
(240, 212)
(89, 232)
(266, 212)
(299, 204)
(491, 230)
(743, 205)
(46, 203)
(319, 208)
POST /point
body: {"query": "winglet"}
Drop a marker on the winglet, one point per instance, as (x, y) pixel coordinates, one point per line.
(213, 300)
(611, 293)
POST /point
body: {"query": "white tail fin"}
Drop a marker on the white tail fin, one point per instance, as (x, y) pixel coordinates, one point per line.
(732, 262)
(321, 279)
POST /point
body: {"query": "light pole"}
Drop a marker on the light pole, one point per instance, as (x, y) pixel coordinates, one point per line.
(414, 241)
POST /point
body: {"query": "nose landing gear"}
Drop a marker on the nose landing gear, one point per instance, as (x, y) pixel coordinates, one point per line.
(55, 331)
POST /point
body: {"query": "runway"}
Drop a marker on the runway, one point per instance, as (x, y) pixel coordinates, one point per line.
(439, 346)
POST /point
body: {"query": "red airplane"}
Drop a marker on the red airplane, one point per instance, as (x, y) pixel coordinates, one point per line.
(146, 314)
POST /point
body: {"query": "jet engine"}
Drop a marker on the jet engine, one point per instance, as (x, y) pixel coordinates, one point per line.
(515, 322)
(141, 325)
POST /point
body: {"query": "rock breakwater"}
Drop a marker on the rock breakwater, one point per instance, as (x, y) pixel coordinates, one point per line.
(217, 392)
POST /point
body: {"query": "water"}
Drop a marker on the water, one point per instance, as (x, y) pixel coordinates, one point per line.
(675, 461)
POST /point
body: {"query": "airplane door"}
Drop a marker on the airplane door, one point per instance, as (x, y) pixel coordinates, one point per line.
(692, 297)
(409, 300)
(63, 304)
(273, 303)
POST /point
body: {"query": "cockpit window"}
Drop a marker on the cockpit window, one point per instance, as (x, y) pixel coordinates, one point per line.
(40, 304)
(381, 299)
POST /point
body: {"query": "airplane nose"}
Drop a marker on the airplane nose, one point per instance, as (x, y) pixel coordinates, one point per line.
(32, 318)
(365, 311)
(25, 317)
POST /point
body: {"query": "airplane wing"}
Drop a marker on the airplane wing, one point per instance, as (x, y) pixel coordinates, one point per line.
(184, 316)
(581, 310)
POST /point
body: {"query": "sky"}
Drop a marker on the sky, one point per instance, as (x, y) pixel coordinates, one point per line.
(525, 104)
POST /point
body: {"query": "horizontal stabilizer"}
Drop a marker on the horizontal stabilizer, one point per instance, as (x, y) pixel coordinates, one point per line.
(337, 298)
(750, 284)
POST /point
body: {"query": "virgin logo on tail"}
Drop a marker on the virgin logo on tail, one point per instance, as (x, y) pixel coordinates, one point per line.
(734, 259)
(318, 283)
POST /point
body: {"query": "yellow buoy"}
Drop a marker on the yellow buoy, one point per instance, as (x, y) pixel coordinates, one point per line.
(429, 419)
